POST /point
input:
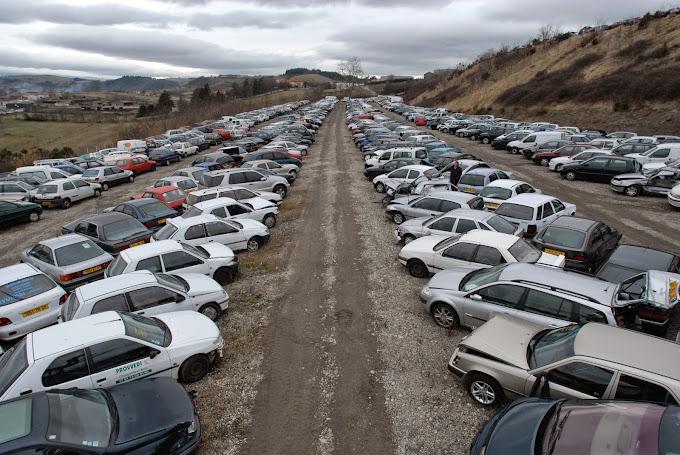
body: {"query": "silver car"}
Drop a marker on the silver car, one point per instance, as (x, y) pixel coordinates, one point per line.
(70, 260)
(245, 177)
(432, 204)
(107, 176)
(17, 191)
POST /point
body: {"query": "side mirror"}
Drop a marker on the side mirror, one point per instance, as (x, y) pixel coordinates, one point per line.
(476, 297)
(154, 353)
(263, 179)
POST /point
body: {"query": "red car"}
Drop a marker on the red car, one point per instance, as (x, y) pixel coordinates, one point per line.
(421, 120)
(137, 165)
(174, 196)
(543, 158)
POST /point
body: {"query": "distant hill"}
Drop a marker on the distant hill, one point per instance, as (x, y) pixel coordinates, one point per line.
(131, 84)
(328, 76)
(21, 84)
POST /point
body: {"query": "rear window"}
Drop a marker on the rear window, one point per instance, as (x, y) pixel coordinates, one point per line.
(472, 180)
(77, 252)
(16, 419)
(520, 212)
(568, 238)
(165, 232)
(116, 268)
(496, 193)
(122, 229)
(25, 288)
(524, 251)
(500, 224)
(174, 196)
(211, 180)
(155, 209)
(91, 173)
(44, 189)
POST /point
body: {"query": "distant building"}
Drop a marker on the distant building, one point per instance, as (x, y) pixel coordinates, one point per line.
(296, 82)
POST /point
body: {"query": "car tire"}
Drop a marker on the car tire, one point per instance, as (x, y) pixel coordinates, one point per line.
(398, 217)
(280, 190)
(105, 186)
(408, 238)
(633, 190)
(386, 201)
(269, 220)
(194, 368)
(33, 217)
(484, 389)
(380, 187)
(66, 204)
(131, 179)
(253, 244)
(544, 161)
(570, 175)
(461, 135)
(444, 316)
(167, 162)
(514, 151)
(293, 173)
(97, 193)
(473, 137)
(153, 167)
(558, 168)
(417, 268)
(223, 276)
(211, 310)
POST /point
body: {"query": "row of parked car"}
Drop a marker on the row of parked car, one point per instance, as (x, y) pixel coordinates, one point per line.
(131, 294)
(550, 296)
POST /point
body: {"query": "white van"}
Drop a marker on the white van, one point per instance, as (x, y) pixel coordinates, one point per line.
(534, 140)
(662, 153)
(132, 146)
(42, 172)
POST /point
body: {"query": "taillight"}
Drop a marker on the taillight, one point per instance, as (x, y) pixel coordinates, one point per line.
(5, 321)
(106, 264)
(151, 223)
(120, 248)
(653, 315)
(63, 299)
(57, 197)
(531, 229)
(580, 257)
(97, 179)
(70, 276)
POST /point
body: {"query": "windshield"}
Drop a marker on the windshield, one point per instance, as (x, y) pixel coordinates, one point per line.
(165, 232)
(77, 252)
(44, 189)
(121, 229)
(496, 192)
(12, 365)
(211, 180)
(25, 288)
(80, 417)
(91, 173)
(15, 419)
(550, 346)
(500, 224)
(523, 251)
(472, 180)
(174, 195)
(521, 212)
(192, 212)
(146, 329)
(481, 277)
(173, 281)
(446, 242)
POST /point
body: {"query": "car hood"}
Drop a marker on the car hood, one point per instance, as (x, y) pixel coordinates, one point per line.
(187, 327)
(516, 430)
(169, 402)
(218, 251)
(259, 203)
(415, 224)
(661, 289)
(423, 244)
(450, 278)
(200, 284)
(250, 224)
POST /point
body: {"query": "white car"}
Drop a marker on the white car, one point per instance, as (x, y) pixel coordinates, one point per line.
(532, 212)
(405, 174)
(674, 196)
(185, 149)
(477, 248)
(147, 293)
(213, 259)
(290, 146)
(29, 300)
(108, 349)
(61, 193)
(556, 163)
(194, 173)
(244, 195)
(227, 208)
(273, 166)
(187, 184)
(502, 189)
(238, 235)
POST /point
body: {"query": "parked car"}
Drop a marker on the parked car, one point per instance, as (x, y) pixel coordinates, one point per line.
(545, 147)
(542, 158)
(627, 149)
(164, 155)
(193, 172)
(629, 260)
(213, 259)
(238, 235)
(280, 156)
(248, 178)
(151, 212)
(510, 356)
(431, 204)
(674, 196)
(585, 243)
(29, 300)
(146, 293)
(226, 208)
(389, 166)
(274, 167)
(476, 248)
(16, 190)
(113, 232)
(224, 160)
(600, 168)
(78, 354)
(171, 195)
(70, 260)
(501, 190)
(500, 142)
(662, 153)
(475, 180)
(61, 193)
(186, 184)
(405, 174)
(16, 212)
(185, 149)
(107, 176)
(656, 182)
(136, 165)
(557, 163)
(532, 212)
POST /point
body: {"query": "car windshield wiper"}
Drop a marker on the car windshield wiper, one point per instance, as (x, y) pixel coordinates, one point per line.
(556, 430)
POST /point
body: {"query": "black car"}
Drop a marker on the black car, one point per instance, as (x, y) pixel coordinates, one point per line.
(146, 417)
(559, 426)
(501, 142)
(629, 260)
(151, 212)
(113, 232)
(584, 243)
(600, 168)
(16, 212)
(384, 168)
(487, 137)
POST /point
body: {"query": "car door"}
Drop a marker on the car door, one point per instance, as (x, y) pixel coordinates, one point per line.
(616, 166)
(399, 176)
(83, 188)
(182, 261)
(256, 181)
(546, 309)
(63, 371)
(546, 215)
(481, 303)
(593, 169)
(151, 300)
(226, 234)
(122, 359)
(630, 387)
(67, 190)
(441, 226)
(426, 206)
(457, 255)
(575, 378)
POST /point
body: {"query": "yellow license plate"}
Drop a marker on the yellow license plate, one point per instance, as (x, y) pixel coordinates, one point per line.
(491, 204)
(162, 221)
(34, 311)
(46, 203)
(555, 252)
(88, 180)
(136, 244)
(96, 268)
(471, 190)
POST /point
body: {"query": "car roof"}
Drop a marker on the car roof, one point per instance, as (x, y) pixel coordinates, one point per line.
(490, 238)
(506, 183)
(78, 332)
(149, 249)
(529, 199)
(165, 189)
(419, 167)
(62, 240)
(105, 218)
(478, 215)
(174, 178)
(182, 222)
(457, 196)
(484, 171)
(573, 222)
(633, 254)
(16, 272)
(618, 345)
(217, 202)
(120, 282)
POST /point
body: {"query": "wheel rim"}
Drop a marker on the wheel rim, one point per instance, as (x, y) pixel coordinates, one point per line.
(197, 369)
(132, 178)
(281, 192)
(398, 218)
(485, 141)
(269, 221)
(34, 216)
(211, 312)
(544, 162)
(443, 317)
(97, 193)
(67, 203)
(632, 191)
(253, 245)
(570, 176)
(482, 392)
(380, 187)
(105, 186)
(408, 239)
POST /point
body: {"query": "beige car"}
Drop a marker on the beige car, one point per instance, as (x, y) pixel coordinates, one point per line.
(515, 357)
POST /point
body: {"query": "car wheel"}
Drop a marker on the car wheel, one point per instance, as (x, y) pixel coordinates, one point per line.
(632, 190)
(97, 193)
(304, 152)
(105, 186)
(253, 244)
(380, 187)
(153, 167)
(223, 276)
(485, 140)
(167, 162)
(444, 315)
(473, 137)
(558, 168)
(293, 173)
(544, 161)
(408, 238)
(33, 217)
(417, 268)
(514, 151)
(66, 204)
(280, 190)
(398, 217)
(571, 176)
(211, 310)
(484, 389)
(131, 179)
(461, 135)
(269, 220)
(194, 368)
(386, 201)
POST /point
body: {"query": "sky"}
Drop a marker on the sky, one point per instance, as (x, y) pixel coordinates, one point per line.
(190, 38)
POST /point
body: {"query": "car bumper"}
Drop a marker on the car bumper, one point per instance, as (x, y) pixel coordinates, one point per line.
(72, 284)
(674, 201)
(396, 236)
(457, 371)
(50, 202)
(19, 328)
(618, 188)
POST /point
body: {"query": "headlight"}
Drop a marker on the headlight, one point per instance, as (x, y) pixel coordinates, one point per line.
(219, 341)
(426, 291)
(191, 429)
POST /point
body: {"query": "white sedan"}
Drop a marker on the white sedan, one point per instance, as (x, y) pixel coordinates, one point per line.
(499, 190)
(261, 210)
(482, 249)
(238, 235)
(403, 174)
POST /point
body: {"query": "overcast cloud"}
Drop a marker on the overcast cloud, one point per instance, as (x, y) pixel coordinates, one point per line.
(178, 38)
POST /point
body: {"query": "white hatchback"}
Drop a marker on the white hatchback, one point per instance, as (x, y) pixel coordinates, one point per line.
(61, 193)
(108, 349)
(532, 212)
(227, 208)
(29, 300)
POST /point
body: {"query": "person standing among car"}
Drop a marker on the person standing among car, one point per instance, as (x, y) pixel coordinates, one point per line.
(456, 173)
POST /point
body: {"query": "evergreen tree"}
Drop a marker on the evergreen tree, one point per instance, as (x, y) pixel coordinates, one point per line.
(165, 103)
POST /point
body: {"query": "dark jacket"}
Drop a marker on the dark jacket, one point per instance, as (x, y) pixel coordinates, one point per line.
(456, 172)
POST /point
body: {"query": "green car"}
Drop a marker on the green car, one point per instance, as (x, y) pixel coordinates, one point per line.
(18, 212)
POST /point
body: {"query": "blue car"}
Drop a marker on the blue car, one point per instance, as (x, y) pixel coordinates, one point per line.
(152, 213)
(279, 156)
(70, 169)
(164, 155)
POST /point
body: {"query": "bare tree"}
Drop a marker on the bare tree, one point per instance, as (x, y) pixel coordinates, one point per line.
(546, 32)
(351, 69)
